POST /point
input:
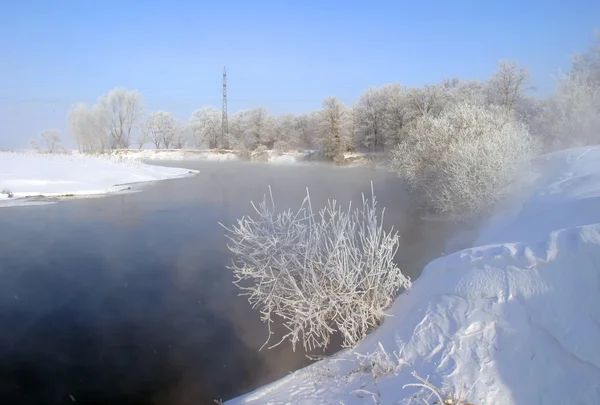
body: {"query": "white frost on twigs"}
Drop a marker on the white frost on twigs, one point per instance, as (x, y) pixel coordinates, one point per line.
(321, 272)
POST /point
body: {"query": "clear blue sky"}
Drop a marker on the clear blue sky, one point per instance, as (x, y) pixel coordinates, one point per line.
(283, 55)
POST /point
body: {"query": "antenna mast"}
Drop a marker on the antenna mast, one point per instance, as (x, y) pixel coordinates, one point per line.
(224, 121)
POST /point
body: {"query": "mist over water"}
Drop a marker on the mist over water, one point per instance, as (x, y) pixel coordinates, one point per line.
(126, 299)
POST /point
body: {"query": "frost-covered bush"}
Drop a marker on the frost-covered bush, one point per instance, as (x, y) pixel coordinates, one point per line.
(317, 272)
(464, 160)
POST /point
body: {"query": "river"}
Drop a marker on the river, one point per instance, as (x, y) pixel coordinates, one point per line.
(126, 299)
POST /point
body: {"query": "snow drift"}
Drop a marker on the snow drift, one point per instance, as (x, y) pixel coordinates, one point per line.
(515, 320)
(35, 174)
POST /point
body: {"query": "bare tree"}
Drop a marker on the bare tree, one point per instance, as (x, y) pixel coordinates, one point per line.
(123, 110)
(334, 116)
(49, 142)
(508, 84)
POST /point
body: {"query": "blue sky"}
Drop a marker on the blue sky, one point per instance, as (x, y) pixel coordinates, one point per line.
(283, 55)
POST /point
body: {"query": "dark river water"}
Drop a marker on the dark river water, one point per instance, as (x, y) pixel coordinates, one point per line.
(126, 299)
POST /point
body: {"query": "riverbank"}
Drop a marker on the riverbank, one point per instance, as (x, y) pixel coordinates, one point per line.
(265, 156)
(513, 320)
(26, 175)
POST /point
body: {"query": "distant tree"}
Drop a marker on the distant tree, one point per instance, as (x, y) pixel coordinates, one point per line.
(180, 136)
(334, 117)
(123, 110)
(426, 101)
(88, 128)
(49, 142)
(259, 129)
(307, 128)
(205, 127)
(161, 128)
(508, 84)
(370, 119)
(587, 64)
(571, 116)
(284, 132)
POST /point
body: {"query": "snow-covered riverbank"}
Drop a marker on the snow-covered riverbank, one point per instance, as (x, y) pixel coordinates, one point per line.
(514, 320)
(33, 174)
(266, 156)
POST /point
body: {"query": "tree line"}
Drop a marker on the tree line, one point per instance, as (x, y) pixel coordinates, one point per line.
(377, 122)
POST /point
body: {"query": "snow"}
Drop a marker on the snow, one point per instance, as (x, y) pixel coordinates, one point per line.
(32, 174)
(269, 156)
(174, 154)
(514, 320)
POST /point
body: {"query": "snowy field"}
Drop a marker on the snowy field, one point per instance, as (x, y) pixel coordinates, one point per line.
(514, 320)
(32, 174)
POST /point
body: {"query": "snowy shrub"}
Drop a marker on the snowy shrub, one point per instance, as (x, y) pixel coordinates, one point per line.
(464, 160)
(318, 273)
(430, 394)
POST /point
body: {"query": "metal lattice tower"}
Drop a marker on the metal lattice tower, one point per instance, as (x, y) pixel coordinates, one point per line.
(224, 120)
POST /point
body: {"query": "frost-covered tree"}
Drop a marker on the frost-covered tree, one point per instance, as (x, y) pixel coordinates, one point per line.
(333, 129)
(571, 116)
(318, 272)
(161, 128)
(123, 109)
(508, 84)
(89, 128)
(180, 136)
(307, 129)
(251, 128)
(370, 119)
(463, 161)
(426, 101)
(587, 64)
(205, 128)
(284, 132)
(49, 142)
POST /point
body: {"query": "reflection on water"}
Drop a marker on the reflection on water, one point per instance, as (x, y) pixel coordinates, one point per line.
(126, 299)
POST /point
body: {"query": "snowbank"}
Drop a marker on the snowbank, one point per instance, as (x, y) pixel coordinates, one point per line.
(35, 174)
(515, 320)
(174, 154)
(267, 156)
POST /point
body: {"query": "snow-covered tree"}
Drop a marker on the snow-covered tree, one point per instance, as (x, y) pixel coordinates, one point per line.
(333, 129)
(123, 109)
(426, 101)
(49, 142)
(307, 129)
(463, 161)
(161, 128)
(370, 119)
(508, 84)
(284, 133)
(205, 128)
(587, 64)
(571, 116)
(89, 128)
(318, 272)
